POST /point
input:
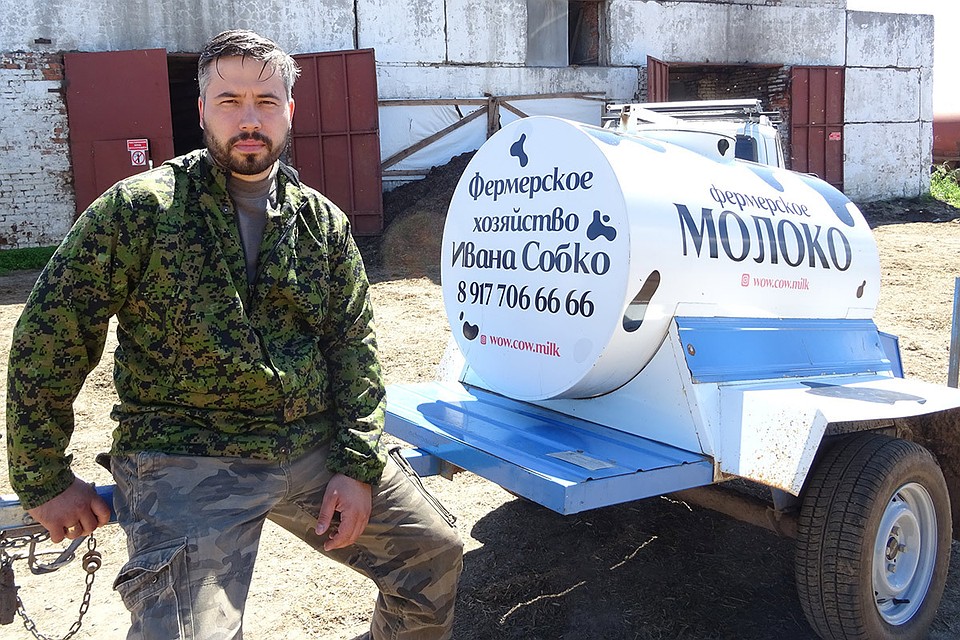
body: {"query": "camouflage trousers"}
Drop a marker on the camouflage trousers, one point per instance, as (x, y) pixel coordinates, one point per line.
(193, 527)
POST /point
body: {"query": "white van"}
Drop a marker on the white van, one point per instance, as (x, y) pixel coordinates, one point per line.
(716, 128)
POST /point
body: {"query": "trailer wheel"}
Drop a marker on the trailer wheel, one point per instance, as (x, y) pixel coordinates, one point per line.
(873, 540)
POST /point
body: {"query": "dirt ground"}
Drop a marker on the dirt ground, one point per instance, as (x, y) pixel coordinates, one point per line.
(654, 569)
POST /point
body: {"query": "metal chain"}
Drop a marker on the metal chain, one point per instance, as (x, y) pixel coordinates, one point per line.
(91, 562)
(21, 542)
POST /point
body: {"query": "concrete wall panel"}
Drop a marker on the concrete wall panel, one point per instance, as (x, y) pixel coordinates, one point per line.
(411, 31)
(619, 83)
(835, 4)
(725, 33)
(889, 40)
(882, 95)
(926, 93)
(176, 25)
(473, 37)
(889, 141)
(885, 160)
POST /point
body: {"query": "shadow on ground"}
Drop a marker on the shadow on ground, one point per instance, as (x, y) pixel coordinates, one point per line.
(901, 210)
(654, 569)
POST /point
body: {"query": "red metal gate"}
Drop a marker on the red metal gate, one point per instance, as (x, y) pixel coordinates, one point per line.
(113, 98)
(658, 80)
(336, 133)
(816, 122)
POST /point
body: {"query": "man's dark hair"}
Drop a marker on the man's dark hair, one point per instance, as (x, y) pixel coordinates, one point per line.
(247, 44)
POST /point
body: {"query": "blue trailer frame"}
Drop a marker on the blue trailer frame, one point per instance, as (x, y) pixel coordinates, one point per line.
(561, 462)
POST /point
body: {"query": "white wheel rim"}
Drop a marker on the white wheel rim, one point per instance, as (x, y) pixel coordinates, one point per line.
(904, 553)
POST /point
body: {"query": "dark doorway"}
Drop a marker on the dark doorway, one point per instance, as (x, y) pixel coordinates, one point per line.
(767, 83)
(583, 32)
(184, 92)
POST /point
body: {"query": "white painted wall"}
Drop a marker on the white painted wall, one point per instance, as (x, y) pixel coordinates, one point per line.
(887, 160)
(889, 40)
(946, 14)
(836, 4)
(36, 193)
(176, 25)
(400, 81)
(471, 40)
(725, 33)
(888, 104)
(882, 95)
(407, 31)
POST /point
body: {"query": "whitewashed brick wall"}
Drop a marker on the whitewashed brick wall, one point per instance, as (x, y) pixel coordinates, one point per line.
(36, 191)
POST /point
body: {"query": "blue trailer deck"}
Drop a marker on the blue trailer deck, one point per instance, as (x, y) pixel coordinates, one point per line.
(564, 463)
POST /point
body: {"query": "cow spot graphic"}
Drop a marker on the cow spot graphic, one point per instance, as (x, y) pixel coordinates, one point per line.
(597, 228)
(516, 150)
(470, 331)
(833, 197)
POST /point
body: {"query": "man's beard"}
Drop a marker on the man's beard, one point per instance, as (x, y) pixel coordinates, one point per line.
(247, 164)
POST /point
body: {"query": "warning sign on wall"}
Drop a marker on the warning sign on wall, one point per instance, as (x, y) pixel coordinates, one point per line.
(139, 148)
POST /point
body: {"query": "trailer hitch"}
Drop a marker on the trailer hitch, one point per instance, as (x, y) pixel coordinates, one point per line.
(10, 602)
(20, 536)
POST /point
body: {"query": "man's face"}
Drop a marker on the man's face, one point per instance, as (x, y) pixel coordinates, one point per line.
(245, 116)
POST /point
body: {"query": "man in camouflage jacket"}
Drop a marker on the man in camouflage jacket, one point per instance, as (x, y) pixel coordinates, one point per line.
(248, 379)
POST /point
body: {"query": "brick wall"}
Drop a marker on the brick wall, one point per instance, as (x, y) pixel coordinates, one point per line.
(36, 188)
(720, 82)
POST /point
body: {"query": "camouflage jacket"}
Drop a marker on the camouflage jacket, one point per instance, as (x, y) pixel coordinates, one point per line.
(206, 365)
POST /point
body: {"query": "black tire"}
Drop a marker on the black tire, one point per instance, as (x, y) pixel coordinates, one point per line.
(868, 495)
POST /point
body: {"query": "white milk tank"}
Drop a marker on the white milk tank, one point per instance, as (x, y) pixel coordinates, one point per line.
(568, 250)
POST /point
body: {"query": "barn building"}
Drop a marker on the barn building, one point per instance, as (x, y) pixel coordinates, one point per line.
(92, 91)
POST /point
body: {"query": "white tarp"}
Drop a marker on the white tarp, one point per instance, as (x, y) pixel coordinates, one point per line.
(404, 125)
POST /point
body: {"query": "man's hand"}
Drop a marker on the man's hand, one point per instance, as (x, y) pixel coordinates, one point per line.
(74, 513)
(351, 498)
